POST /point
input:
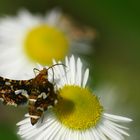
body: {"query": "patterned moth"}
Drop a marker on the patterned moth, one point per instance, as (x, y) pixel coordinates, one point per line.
(38, 93)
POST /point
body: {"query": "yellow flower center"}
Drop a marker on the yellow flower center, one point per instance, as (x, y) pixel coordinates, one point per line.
(77, 108)
(44, 43)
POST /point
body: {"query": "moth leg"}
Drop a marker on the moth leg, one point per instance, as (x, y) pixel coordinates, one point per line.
(42, 118)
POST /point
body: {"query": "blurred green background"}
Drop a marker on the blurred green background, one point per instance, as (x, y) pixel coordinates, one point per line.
(115, 59)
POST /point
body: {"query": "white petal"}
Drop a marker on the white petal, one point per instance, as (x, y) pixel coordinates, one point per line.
(60, 133)
(72, 70)
(27, 20)
(111, 125)
(67, 70)
(23, 129)
(75, 135)
(89, 135)
(117, 118)
(23, 122)
(62, 73)
(65, 135)
(69, 137)
(56, 131)
(108, 131)
(96, 137)
(85, 79)
(101, 134)
(40, 67)
(79, 72)
(119, 126)
(46, 134)
(53, 17)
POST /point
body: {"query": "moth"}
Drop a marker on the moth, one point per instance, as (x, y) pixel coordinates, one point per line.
(38, 93)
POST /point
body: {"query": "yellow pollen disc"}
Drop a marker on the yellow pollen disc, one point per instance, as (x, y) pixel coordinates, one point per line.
(44, 43)
(77, 108)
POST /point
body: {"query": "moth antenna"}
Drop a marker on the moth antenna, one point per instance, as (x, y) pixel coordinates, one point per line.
(51, 67)
(35, 69)
(56, 65)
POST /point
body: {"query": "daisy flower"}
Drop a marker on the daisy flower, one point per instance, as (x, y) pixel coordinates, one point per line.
(27, 39)
(78, 115)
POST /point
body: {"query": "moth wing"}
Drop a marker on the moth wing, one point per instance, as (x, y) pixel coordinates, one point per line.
(14, 92)
(10, 98)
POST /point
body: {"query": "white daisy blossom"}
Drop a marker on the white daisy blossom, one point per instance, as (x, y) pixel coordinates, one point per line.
(50, 128)
(14, 31)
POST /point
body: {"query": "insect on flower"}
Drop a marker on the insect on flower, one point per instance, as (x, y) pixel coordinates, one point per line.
(38, 92)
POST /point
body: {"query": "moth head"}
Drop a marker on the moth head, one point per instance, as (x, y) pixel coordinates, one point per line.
(43, 74)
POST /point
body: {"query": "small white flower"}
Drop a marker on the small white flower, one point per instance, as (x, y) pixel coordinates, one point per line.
(78, 115)
(27, 39)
